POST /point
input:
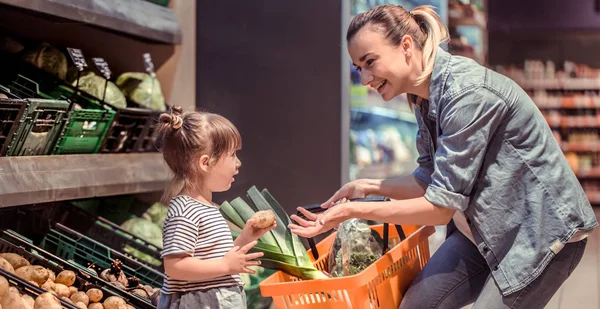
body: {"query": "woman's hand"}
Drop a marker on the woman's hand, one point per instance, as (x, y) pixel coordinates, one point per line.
(355, 189)
(250, 233)
(318, 224)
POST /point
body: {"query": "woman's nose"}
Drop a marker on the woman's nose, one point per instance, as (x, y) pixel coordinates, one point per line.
(365, 77)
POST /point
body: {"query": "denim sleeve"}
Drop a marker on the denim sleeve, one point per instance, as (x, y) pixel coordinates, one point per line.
(467, 122)
(425, 169)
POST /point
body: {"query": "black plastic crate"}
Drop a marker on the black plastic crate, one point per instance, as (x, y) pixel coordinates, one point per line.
(12, 242)
(130, 131)
(11, 112)
(99, 229)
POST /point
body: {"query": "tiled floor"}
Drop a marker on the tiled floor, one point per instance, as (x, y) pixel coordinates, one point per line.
(582, 289)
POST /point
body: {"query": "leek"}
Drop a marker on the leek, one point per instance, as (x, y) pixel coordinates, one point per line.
(282, 249)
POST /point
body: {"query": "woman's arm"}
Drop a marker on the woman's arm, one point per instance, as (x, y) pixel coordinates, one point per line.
(402, 188)
(416, 211)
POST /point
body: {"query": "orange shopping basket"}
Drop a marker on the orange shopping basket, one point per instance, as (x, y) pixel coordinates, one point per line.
(381, 285)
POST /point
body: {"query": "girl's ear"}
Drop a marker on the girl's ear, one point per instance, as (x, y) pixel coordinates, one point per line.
(204, 162)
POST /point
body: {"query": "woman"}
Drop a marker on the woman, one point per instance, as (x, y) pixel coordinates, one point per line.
(488, 165)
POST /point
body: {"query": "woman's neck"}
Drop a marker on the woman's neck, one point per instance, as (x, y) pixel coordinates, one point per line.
(422, 90)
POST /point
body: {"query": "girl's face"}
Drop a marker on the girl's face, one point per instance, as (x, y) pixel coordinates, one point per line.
(221, 173)
(386, 68)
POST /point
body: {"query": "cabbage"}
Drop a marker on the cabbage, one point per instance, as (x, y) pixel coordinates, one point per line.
(147, 231)
(157, 214)
(138, 87)
(49, 59)
(94, 85)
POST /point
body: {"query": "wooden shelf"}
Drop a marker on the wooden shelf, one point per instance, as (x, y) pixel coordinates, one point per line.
(39, 179)
(137, 18)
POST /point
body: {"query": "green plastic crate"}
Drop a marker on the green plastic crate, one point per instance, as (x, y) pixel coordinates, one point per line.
(74, 246)
(40, 128)
(85, 131)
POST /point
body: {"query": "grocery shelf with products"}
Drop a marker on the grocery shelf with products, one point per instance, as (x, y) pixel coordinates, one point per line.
(467, 24)
(82, 85)
(569, 99)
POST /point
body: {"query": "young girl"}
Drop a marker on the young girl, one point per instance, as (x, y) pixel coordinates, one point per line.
(202, 262)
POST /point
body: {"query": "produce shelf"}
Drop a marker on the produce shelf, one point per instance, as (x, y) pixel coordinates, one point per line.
(40, 179)
(137, 18)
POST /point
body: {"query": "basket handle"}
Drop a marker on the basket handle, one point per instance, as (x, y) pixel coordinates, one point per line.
(316, 208)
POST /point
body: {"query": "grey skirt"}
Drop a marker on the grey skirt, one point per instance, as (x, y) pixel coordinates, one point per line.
(232, 297)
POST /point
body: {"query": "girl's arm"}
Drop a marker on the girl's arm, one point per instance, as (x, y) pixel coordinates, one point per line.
(185, 267)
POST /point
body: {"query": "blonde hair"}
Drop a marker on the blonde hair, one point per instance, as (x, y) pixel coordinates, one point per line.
(185, 137)
(423, 24)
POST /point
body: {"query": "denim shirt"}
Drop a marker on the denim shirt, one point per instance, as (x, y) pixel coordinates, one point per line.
(485, 149)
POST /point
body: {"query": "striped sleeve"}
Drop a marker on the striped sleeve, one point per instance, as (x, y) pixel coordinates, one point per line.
(179, 236)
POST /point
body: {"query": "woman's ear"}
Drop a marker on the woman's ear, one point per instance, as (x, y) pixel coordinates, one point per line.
(204, 162)
(407, 44)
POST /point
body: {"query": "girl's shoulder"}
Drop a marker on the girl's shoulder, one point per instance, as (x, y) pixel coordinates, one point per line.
(183, 205)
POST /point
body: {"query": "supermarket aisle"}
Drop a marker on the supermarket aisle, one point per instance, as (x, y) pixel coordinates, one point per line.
(581, 290)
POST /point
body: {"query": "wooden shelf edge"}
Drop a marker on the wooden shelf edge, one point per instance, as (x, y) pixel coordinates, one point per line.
(29, 180)
(136, 18)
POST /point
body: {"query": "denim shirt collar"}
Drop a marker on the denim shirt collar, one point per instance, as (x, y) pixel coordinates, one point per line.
(438, 79)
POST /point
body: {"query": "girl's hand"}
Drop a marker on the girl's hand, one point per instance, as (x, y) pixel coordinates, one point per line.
(318, 224)
(251, 233)
(237, 259)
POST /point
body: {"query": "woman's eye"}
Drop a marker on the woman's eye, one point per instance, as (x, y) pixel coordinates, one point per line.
(370, 62)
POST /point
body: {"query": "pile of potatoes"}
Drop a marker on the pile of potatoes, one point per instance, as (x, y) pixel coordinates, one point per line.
(58, 286)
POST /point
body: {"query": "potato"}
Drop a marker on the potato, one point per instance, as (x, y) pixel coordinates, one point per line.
(33, 273)
(34, 283)
(263, 218)
(72, 290)
(61, 290)
(12, 299)
(15, 260)
(81, 305)
(80, 297)
(46, 301)
(51, 275)
(3, 286)
(48, 285)
(68, 300)
(94, 295)
(28, 301)
(66, 277)
(4, 264)
(114, 302)
(93, 306)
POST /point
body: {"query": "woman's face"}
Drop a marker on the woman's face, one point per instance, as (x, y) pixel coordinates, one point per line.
(384, 67)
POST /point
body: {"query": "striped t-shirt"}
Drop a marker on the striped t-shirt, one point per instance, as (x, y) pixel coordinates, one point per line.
(200, 231)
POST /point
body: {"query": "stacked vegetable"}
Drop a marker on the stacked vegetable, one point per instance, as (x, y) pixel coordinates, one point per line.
(282, 250)
(58, 286)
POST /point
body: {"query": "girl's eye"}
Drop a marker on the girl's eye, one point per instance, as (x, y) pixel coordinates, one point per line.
(369, 62)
